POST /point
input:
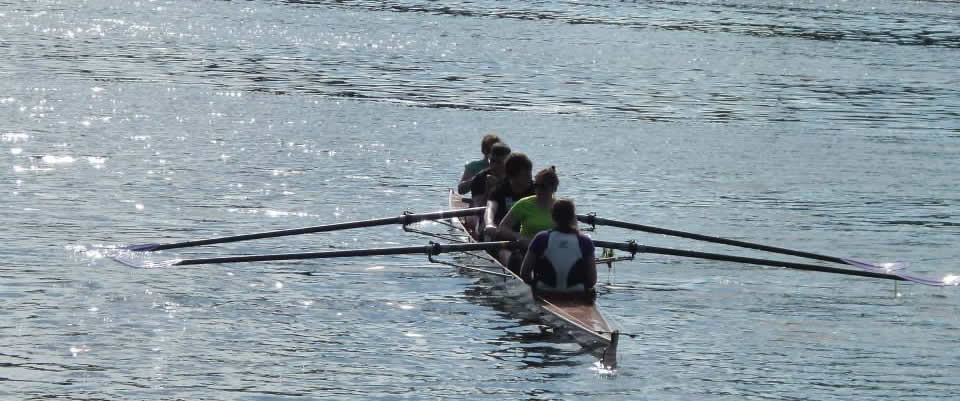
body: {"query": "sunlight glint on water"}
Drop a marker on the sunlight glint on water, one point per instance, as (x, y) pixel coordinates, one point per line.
(822, 126)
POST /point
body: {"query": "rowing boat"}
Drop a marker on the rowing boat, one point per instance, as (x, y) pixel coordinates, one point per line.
(580, 317)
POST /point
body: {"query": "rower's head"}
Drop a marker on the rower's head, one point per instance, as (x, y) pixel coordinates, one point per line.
(546, 182)
(519, 171)
(498, 156)
(487, 143)
(564, 216)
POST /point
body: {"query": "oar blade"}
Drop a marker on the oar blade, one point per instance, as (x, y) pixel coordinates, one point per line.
(898, 269)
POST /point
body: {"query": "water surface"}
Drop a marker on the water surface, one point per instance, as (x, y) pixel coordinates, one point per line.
(824, 126)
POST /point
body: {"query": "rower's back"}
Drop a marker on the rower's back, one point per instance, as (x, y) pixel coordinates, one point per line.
(561, 261)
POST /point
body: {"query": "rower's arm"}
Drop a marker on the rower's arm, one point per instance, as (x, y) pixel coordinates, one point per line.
(590, 262)
(591, 265)
(489, 220)
(506, 227)
(526, 269)
(490, 215)
(466, 179)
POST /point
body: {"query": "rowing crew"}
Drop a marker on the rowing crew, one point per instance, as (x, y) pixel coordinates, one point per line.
(523, 208)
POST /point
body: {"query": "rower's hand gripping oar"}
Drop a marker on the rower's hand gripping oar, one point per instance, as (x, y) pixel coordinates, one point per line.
(404, 219)
(634, 248)
(886, 268)
(432, 249)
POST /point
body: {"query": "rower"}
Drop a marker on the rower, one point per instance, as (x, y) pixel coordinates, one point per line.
(561, 260)
(472, 168)
(518, 184)
(532, 214)
(487, 179)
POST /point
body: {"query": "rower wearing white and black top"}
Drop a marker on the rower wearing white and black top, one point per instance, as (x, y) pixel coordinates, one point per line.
(561, 260)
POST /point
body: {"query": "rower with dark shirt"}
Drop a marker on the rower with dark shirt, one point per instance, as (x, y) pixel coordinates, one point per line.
(487, 179)
(517, 185)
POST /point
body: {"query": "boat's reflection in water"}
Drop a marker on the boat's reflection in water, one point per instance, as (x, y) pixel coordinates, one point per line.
(529, 337)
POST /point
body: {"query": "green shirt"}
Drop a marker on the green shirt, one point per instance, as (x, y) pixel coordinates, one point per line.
(475, 166)
(531, 217)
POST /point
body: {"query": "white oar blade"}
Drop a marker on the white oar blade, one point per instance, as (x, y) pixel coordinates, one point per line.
(899, 269)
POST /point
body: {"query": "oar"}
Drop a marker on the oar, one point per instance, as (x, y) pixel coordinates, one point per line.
(633, 247)
(433, 249)
(870, 270)
(404, 220)
(594, 220)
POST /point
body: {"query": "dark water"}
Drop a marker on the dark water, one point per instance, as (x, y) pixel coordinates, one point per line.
(824, 126)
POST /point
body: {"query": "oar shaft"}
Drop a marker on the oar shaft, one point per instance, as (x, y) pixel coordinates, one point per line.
(636, 248)
(434, 249)
(589, 219)
(404, 219)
